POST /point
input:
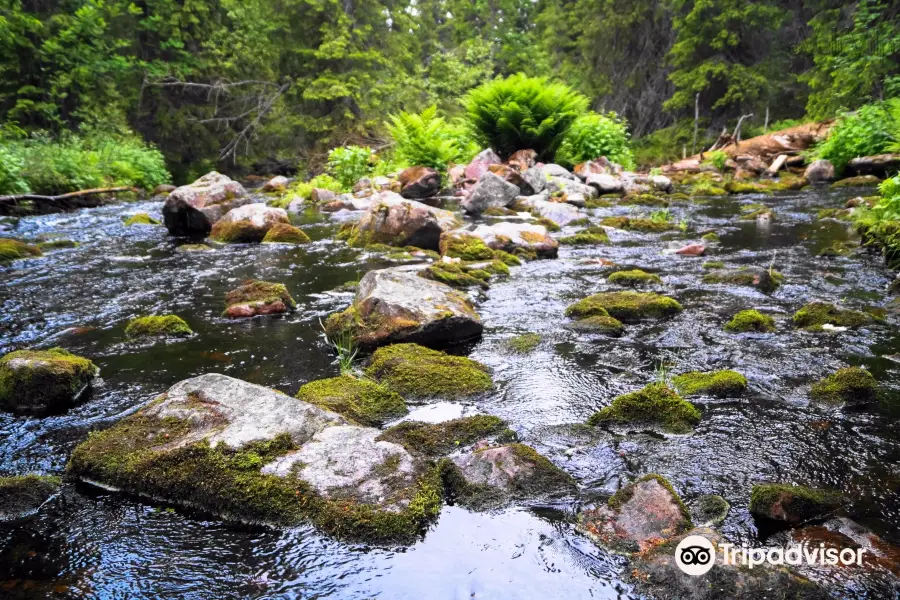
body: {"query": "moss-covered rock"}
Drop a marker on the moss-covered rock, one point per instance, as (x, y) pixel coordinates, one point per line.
(141, 219)
(643, 199)
(255, 297)
(710, 238)
(765, 280)
(57, 244)
(434, 440)
(634, 278)
(550, 224)
(654, 405)
(851, 386)
(713, 264)
(715, 383)
(858, 181)
(11, 250)
(237, 232)
(360, 400)
(816, 315)
(40, 381)
(525, 343)
(750, 320)
(465, 247)
(158, 326)
(839, 214)
(710, 509)
(628, 307)
(792, 504)
(21, 496)
(704, 188)
(456, 275)
(638, 224)
(282, 233)
(414, 371)
(592, 236)
(837, 249)
(603, 324)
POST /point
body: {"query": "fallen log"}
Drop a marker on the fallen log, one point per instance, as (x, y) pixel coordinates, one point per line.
(63, 197)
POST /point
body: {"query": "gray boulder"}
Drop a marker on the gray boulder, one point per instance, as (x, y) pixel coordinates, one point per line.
(554, 170)
(819, 171)
(249, 223)
(569, 187)
(560, 213)
(518, 238)
(193, 209)
(535, 178)
(490, 191)
(605, 183)
(661, 183)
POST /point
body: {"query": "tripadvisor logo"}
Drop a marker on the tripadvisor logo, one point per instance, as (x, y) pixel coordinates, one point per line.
(695, 555)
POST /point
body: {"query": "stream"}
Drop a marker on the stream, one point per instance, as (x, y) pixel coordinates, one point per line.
(91, 543)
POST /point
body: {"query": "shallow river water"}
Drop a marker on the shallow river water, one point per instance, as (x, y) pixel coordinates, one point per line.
(90, 543)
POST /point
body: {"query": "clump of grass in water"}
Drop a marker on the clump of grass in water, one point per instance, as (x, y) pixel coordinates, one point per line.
(345, 349)
(662, 372)
(661, 216)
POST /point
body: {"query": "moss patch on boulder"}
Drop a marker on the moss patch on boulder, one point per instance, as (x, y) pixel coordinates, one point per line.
(711, 238)
(750, 320)
(11, 250)
(22, 495)
(633, 278)
(603, 324)
(713, 264)
(711, 509)
(628, 307)
(141, 219)
(439, 439)
(792, 503)
(715, 383)
(592, 236)
(654, 405)
(415, 371)
(638, 224)
(158, 326)
(282, 233)
(258, 297)
(38, 381)
(765, 280)
(361, 400)
(465, 247)
(814, 315)
(456, 275)
(850, 385)
(236, 232)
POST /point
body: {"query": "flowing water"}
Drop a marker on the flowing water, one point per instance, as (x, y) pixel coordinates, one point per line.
(90, 543)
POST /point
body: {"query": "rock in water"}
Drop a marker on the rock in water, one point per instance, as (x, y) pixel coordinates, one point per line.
(23, 496)
(394, 220)
(396, 305)
(491, 191)
(254, 298)
(248, 224)
(279, 183)
(246, 452)
(637, 517)
(531, 241)
(559, 212)
(419, 182)
(605, 183)
(792, 504)
(479, 165)
(42, 381)
(193, 209)
(819, 171)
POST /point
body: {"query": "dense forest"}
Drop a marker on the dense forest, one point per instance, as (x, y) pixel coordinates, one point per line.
(271, 86)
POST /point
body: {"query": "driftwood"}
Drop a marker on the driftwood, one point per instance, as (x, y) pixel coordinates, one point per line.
(62, 198)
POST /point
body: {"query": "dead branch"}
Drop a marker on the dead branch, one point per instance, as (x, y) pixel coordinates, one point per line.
(63, 197)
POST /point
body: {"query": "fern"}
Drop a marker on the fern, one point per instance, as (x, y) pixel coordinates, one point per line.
(592, 136)
(519, 113)
(425, 139)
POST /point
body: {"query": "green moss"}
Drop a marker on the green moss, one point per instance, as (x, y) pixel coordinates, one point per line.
(138, 455)
(548, 223)
(633, 278)
(814, 315)
(282, 233)
(141, 219)
(711, 237)
(57, 244)
(841, 214)
(622, 496)
(455, 275)
(508, 259)
(798, 502)
(257, 292)
(713, 264)
(837, 249)
(164, 325)
(860, 180)
(767, 281)
(495, 267)
(705, 188)
(638, 224)
(22, 495)
(751, 212)
(497, 211)
(747, 187)
(711, 508)
(11, 250)
(237, 232)
(361, 400)
(439, 439)
(465, 247)
(599, 324)
(36, 381)
(750, 320)
(599, 202)
(655, 404)
(643, 199)
(628, 307)
(715, 383)
(415, 371)
(525, 343)
(850, 385)
(592, 236)
(582, 222)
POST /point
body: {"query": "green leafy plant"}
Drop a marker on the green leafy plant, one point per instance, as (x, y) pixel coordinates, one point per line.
(349, 164)
(594, 135)
(661, 216)
(424, 139)
(873, 129)
(520, 112)
(11, 166)
(717, 158)
(344, 348)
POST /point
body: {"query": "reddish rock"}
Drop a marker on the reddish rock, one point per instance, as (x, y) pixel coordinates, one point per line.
(522, 160)
(419, 182)
(598, 166)
(479, 165)
(193, 209)
(514, 177)
(322, 196)
(692, 250)
(276, 184)
(394, 220)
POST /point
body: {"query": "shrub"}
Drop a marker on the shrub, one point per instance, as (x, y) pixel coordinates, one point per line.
(426, 139)
(873, 129)
(519, 112)
(349, 164)
(11, 167)
(717, 158)
(594, 135)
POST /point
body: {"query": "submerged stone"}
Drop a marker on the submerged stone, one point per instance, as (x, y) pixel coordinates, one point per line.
(653, 405)
(850, 386)
(628, 307)
(792, 504)
(591, 236)
(41, 381)
(158, 326)
(434, 440)
(11, 250)
(638, 517)
(360, 400)
(765, 280)
(750, 320)
(141, 219)
(710, 509)
(255, 297)
(22, 496)
(715, 383)
(603, 324)
(525, 343)
(248, 453)
(815, 315)
(395, 305)
(633, 278)
(418, 372)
